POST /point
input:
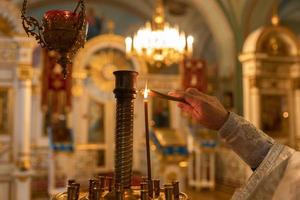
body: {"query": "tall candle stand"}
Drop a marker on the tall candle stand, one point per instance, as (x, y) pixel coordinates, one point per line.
(102, 188)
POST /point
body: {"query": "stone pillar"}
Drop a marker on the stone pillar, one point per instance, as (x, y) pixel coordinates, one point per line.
(22, 119)
(297, 116)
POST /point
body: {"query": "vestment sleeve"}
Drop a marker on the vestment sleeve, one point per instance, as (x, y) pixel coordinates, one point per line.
(250, 143)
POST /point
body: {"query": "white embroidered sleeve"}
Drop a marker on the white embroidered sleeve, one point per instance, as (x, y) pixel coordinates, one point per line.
(250, 143)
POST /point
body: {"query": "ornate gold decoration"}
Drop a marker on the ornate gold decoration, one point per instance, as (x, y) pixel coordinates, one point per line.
(10, 13)
(77, 89)
(104, 63)
(5, 27)
(296, 84)
(158, 42)
(109, 51)
(61, 30)
(24, 165)
(24, 72)
(275, 46)
(64, 196)
(275, 20)
(8, 52)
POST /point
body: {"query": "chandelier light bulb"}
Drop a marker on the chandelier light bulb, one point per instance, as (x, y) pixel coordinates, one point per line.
(128, 43)
(190, 42)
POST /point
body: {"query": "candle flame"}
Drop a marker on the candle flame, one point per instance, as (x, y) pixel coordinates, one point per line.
(146, 91)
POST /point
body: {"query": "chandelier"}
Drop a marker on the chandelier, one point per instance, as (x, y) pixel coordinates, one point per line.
(158, 42)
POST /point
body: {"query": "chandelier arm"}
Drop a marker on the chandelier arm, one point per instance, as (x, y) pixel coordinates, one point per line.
(158, 19)
(32, 26)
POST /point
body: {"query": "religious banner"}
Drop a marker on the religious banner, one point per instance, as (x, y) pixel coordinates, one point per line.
(194, 74)
(56, 102)
(56, 90)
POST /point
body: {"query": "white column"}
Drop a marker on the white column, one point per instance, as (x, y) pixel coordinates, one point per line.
(255, 107)
(22, 132)
(23, 115)
(246, 98)
(22, 119)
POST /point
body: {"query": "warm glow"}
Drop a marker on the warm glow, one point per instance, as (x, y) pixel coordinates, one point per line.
(190, 42)
(183, 164)
(153, 148)
(160, 43)
(128, 43)
(146, 91)
(285, 114)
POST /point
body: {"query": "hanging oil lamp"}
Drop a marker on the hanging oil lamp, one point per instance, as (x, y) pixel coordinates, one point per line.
(63, 31)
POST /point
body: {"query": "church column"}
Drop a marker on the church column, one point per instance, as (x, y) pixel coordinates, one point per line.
(255, 103)
(22, 120)
(297, 111)
(78, 120)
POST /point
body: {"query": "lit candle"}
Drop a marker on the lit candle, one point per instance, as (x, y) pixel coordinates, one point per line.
(190, 41)
(146, 93)
(128, 44)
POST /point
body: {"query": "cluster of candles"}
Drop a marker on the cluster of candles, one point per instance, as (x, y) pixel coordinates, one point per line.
(99, 188)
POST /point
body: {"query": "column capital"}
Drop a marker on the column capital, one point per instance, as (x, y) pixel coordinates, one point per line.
(296, 84)
(22, 175)
(24, 72)
(25, 41)
(25, 46)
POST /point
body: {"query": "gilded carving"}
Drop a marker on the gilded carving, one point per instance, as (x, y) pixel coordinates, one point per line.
(23, 164)
(77, 89)
(11, 14)
(8, 51)
(254, 82)
(24, 72)
(96, 44)
(296, 84)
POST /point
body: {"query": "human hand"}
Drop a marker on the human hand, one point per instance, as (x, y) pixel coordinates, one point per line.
(207, 110)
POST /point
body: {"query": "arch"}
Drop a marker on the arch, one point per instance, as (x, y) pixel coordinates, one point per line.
(256, 13)
(138, 8)
(224, 40)
(99, 42)
(261, 41)
(11, 14)
(98, 85)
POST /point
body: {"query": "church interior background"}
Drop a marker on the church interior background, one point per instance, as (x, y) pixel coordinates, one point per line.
(53, 129)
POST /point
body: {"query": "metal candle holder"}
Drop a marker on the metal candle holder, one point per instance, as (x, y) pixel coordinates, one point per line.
(61, 30)
(125, 92)
(102, 188)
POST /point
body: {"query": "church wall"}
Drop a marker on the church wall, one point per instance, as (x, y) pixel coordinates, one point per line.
(126, 23)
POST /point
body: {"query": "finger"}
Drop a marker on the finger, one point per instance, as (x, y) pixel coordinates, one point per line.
(189, 110)
(193, 91)
(185, 108)
(184, 105)
(193, 100)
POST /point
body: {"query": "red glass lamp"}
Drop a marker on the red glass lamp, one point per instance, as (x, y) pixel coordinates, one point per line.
(61, 30)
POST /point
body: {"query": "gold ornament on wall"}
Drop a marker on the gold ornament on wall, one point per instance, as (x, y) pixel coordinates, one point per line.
(104, 63)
